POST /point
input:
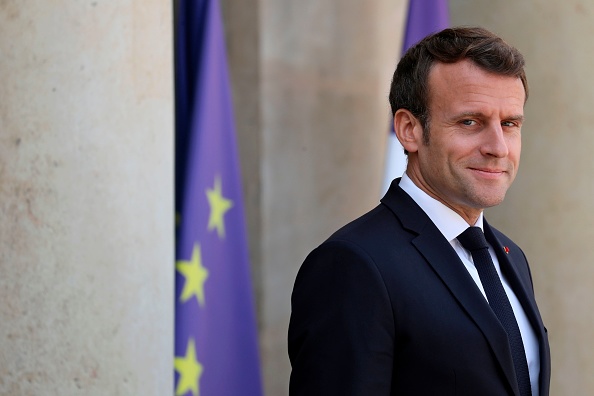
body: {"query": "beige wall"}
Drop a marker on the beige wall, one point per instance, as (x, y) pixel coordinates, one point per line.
(550, 209)
(86, 229)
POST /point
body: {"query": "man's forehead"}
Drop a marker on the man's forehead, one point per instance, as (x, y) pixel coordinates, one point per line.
(455, 68)
(467, 77)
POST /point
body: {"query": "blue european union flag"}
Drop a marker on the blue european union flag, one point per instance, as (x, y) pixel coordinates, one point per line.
(216, 350)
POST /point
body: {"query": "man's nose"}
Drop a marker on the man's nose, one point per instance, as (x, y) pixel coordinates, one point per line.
(495, 143)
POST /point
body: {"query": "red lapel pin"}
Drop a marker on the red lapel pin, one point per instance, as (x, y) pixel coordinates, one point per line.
(506, 249)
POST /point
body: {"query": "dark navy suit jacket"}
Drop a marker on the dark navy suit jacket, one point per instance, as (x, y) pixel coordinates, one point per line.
(386, 307)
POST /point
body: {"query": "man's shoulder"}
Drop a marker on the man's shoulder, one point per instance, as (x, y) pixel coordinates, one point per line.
(375, 234)
(379, 220)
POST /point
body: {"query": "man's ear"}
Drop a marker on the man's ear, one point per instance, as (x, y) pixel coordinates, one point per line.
(408, 130)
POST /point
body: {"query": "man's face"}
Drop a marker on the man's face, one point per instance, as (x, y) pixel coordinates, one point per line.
(473, 154)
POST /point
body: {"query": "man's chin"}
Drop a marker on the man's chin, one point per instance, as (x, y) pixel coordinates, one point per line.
(491, 201)
(489, 197)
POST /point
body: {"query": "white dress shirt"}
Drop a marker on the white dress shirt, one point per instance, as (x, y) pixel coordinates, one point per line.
(451, 224)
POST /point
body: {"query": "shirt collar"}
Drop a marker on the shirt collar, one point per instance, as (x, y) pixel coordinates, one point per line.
(448, 222)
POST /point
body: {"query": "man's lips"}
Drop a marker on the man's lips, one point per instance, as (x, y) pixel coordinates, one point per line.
(488, 172)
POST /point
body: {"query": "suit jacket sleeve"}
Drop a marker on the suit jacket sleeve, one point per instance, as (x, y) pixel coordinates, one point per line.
(342, 328)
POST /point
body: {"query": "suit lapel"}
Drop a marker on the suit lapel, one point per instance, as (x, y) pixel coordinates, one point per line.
(440, 255)
(522, 287)
(520, 284)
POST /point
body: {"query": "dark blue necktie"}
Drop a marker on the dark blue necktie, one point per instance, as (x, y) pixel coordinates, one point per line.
(473, 239)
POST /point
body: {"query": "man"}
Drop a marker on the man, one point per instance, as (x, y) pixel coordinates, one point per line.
(400, 301)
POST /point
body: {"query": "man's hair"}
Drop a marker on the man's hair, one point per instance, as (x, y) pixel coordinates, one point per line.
(410, 84)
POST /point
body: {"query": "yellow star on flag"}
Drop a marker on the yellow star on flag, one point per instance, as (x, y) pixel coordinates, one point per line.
(219, 205)
(195, 274)
(190, 371)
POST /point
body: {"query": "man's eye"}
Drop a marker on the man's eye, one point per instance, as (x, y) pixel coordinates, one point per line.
(468, 122)
(508, 124)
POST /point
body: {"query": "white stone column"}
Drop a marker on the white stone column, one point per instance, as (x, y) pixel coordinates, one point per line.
(86, 198)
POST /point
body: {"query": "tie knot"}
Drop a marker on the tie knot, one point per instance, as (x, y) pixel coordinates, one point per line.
(473, 238)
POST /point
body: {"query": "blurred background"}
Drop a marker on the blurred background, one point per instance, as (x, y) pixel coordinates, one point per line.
(87, 164)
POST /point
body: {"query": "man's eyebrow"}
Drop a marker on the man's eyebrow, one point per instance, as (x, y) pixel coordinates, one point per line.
(517, 117)
(470, 114)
